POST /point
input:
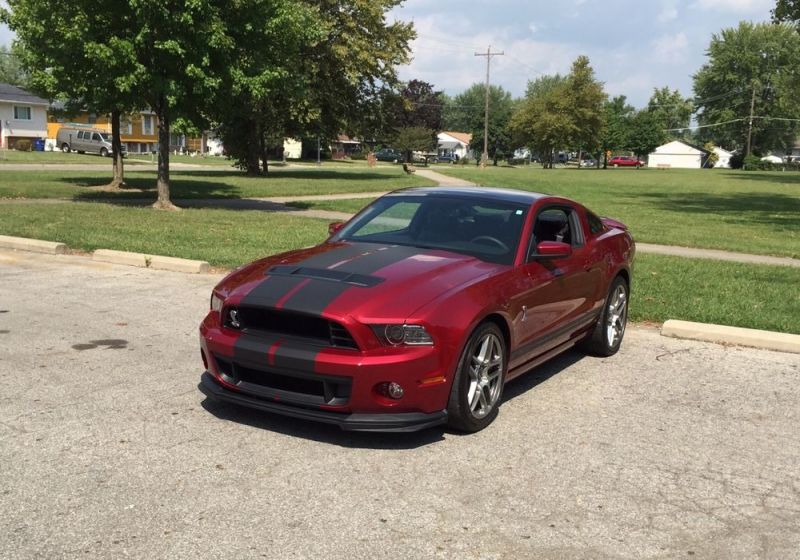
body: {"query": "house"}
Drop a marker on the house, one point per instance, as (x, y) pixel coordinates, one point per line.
(343, 146)
(677, 154)
(138, 131)
(723, 158)
(23, 116)
(454, 143)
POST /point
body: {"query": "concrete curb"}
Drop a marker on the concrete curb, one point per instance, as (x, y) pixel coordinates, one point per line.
(33, 245)
(150, 261)
(782, 342)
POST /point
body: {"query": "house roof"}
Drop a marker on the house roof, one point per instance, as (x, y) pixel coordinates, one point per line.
(13, 94)
(676, 147)
(463, 137)
(344, 139)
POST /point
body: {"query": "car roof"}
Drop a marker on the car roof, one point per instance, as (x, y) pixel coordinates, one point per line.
(508, 195)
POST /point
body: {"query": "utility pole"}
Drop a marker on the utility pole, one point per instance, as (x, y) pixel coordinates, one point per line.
(750, 122)
(485, 156)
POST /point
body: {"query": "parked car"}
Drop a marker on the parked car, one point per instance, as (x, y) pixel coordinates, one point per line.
(773, 159)
(447, 158)
(85, 140)
(625, 161)
(388, 154)
(418, 310)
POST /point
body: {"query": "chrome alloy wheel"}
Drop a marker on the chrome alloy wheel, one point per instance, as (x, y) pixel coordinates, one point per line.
(485, 375)
(617, 315)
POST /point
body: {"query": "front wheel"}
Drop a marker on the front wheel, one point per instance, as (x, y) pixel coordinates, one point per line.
(478, 384)
(606, 337)
(103, 152)
(65, 148)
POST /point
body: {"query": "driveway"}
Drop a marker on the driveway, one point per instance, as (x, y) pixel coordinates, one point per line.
(669, 449)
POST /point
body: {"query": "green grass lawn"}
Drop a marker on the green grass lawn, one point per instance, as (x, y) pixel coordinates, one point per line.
(751, 212)
(224, 238)
(745, 295)
(707, 291)
(199, 183)
(48, 158)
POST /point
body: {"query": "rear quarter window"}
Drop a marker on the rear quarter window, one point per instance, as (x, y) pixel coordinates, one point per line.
(596, 226)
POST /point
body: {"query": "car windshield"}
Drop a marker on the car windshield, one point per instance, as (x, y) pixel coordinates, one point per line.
(484, 228)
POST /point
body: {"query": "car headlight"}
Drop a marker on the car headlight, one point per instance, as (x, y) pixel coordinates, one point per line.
(399, 335)
(216, 302)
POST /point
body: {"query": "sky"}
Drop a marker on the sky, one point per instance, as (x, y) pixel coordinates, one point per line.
(633, 45)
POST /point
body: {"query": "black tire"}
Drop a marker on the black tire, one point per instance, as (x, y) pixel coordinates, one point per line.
(473, 417)
(103, 152)
(65, 148)
(599, 341)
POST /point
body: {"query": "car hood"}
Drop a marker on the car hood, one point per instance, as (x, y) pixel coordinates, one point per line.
(366, 281)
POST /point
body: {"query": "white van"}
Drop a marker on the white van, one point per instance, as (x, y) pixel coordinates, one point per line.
(85, 140)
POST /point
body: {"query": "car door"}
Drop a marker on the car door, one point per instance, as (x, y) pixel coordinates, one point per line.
(559, 296)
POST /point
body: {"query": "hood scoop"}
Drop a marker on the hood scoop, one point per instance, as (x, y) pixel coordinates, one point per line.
(341, 276)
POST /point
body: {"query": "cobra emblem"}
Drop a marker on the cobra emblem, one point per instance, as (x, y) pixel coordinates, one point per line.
(233, 316)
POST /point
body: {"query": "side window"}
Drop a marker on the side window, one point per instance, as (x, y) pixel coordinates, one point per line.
(96, 137)
(596, 226)
(557, 224)
(80, 135)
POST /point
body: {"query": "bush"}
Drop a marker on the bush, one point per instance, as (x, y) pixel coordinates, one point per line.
(751, 163)
(463, 161)
(360, 156)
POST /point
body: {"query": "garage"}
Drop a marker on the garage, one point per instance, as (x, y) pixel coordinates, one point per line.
(678, 155)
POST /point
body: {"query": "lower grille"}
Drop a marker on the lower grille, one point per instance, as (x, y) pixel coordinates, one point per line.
(292, 388)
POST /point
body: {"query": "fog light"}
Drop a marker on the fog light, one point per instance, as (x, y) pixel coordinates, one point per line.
(395, 390)
(390, 390)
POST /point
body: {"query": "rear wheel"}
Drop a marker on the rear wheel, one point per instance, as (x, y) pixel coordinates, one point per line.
(606, 337)
(478, 384)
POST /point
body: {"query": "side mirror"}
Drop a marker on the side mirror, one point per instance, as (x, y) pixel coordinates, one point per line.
(552, 250)
(333, 227)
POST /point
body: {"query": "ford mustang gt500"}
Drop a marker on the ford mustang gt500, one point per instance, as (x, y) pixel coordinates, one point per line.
(419, 309)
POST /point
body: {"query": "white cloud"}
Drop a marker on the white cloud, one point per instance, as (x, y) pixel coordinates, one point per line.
(670, 49)
(669, 12)
(739, 6)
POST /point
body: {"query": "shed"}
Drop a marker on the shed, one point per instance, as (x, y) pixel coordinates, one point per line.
(723, 158)
(676, 154)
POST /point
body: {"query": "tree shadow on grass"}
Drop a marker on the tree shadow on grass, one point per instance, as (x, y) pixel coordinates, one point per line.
(145, 188)
(784, 178)
(747, 208)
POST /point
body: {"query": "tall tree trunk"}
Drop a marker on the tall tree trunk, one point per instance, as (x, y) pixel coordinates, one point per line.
(253, 165)
(163, 202)
(116, 152)
(263, 145)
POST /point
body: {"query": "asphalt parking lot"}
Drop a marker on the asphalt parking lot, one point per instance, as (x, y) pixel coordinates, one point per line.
(670, 449)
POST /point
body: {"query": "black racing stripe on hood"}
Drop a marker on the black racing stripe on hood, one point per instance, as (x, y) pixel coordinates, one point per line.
(270, 290)
(317, 295)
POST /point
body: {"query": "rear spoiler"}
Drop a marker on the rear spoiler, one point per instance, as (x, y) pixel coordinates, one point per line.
(614, 224)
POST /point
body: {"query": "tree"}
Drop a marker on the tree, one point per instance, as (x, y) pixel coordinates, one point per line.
(416, 108)
(713, 157)
(466, 114)
(307, 69)
(751, 66)
(786, 11)
(645, 134)
(618, 115)
(11, 71)
(671, 110)
(91, 66)
(562, 112)
(586, 96)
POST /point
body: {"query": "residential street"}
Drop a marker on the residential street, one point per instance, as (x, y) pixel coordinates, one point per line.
(669, 449)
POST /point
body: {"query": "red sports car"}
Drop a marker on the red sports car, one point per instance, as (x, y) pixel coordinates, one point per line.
(625, 161)
(419, 309)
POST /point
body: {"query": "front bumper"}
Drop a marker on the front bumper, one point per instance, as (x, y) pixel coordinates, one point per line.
(379, 422)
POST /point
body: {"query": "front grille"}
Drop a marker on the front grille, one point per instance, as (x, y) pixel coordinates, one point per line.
(257, 320)
(293, 388)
